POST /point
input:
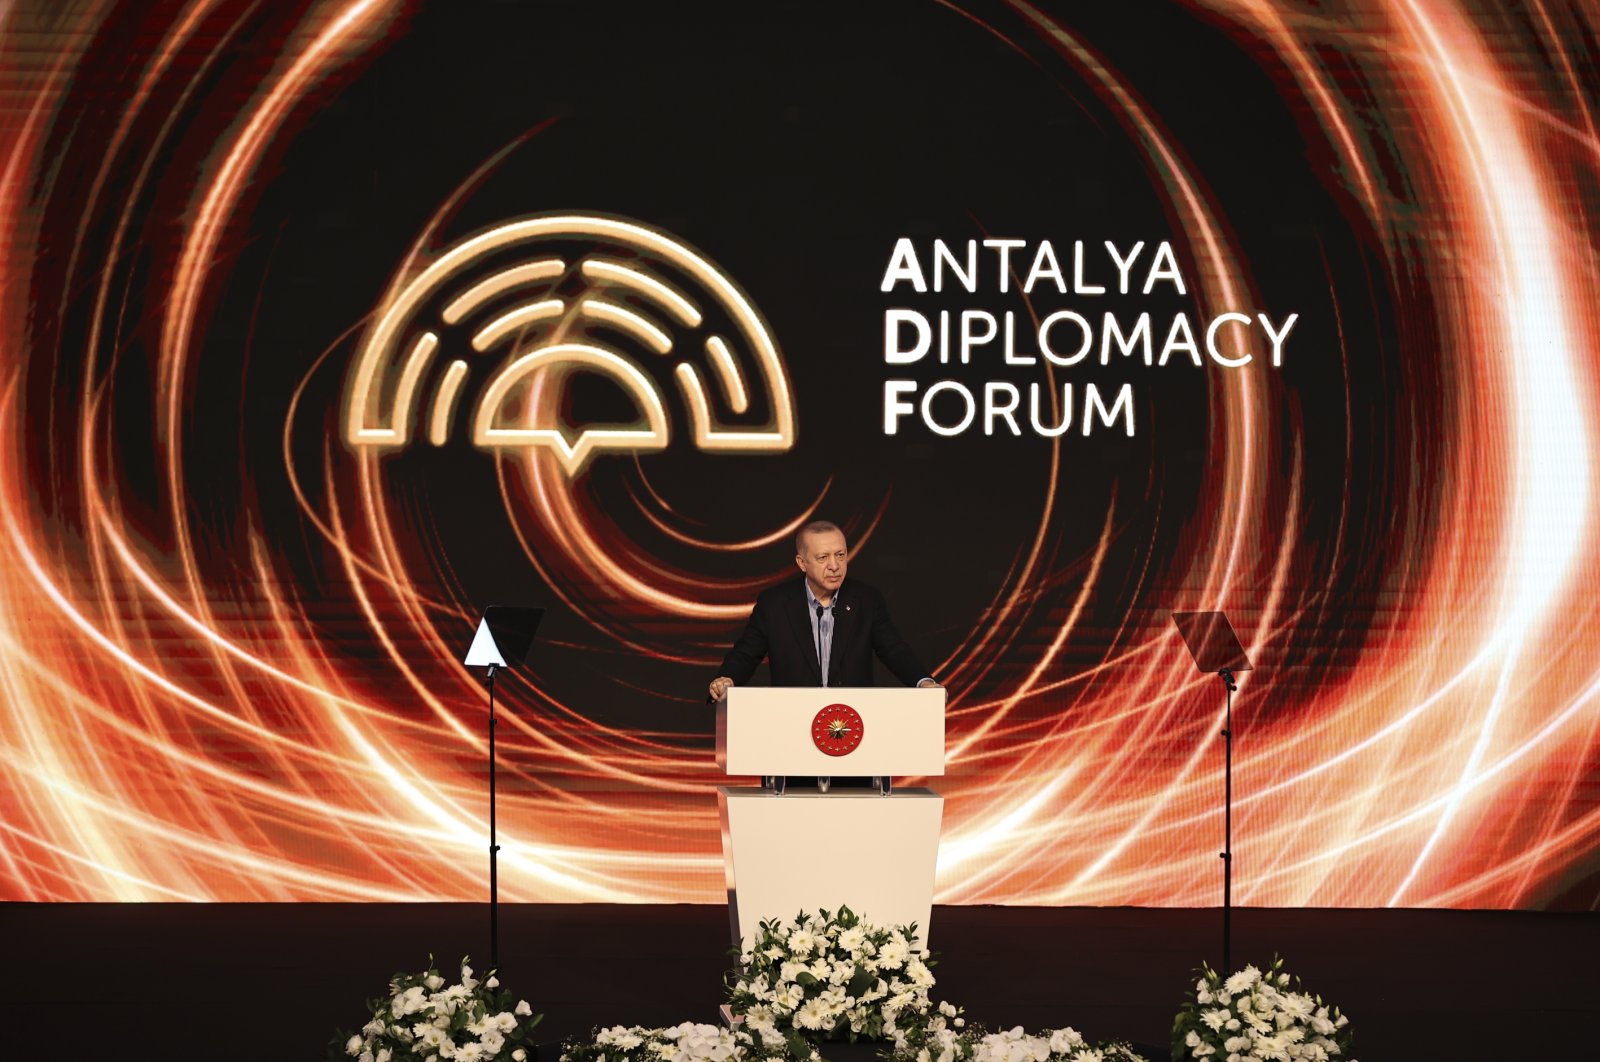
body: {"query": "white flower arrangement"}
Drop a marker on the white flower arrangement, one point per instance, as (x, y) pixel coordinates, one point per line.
(826, 977)
(688, 1042)
(941, 1035)
(1253, 1015)
(946, 1037)
(424, 1020)
(1052, 1045)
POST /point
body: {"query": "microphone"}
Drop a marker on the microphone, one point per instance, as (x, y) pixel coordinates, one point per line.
(820, 662)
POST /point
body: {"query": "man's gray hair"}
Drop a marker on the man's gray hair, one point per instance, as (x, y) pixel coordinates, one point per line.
(815, 527)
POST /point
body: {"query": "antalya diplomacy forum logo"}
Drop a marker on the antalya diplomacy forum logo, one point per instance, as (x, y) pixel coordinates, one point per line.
(555, 296)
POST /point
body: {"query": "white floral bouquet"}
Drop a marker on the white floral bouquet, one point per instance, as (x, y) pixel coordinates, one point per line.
(940, 1035)
(944, 1036)
(423, 1020)
(1052, 1045)
(688, 1042)
(826, 977)
(1253, 1015)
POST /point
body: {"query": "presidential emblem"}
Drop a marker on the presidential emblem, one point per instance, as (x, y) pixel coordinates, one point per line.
(836, 729)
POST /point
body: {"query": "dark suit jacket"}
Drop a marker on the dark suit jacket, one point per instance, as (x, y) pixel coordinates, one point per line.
(780, 630)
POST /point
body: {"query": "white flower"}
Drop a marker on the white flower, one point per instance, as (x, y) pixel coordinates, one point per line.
(1270, 1047)
(492, 982)
(433, 981)
(892, 955)
(384, 1055)
(1242, 980)
(1063, 1040)
(519, 1055)
(352, 1046)
(1203, 996)
(1088, 1055)
(523, 1009)
(813, 1015)
(1193, 1039)
(802, 942)
(373, 1027)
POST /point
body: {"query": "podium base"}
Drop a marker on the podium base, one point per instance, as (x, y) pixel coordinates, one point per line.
(805, 850)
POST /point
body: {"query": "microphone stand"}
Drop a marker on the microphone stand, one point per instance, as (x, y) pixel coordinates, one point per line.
(1227, 819)
(494, 848)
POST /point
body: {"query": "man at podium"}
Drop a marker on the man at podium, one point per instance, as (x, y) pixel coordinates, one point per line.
(818, 630)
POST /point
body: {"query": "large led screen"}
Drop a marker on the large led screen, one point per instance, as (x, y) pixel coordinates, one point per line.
(327, 324)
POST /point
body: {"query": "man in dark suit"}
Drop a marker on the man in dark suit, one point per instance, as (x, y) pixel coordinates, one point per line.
(817, 630)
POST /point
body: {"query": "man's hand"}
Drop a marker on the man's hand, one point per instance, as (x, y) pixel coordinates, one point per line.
(720, 687)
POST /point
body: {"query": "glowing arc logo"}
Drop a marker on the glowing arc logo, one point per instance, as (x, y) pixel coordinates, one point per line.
(382, 397)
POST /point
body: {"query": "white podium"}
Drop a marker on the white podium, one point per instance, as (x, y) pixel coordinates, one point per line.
(804, 849)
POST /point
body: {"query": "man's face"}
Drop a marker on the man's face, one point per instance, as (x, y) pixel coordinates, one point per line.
(823, 559)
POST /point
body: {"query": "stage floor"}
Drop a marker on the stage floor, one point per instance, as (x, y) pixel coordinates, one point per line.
(272, 982)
